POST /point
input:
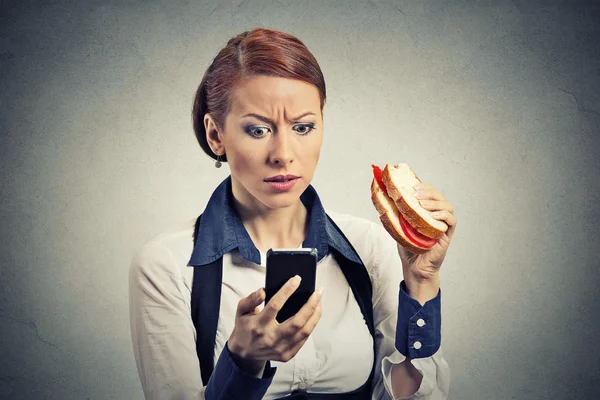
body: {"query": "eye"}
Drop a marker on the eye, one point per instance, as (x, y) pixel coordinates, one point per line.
(304, 129)
(257, 131)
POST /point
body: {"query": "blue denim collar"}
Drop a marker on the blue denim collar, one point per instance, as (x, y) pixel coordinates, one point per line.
(221, 230)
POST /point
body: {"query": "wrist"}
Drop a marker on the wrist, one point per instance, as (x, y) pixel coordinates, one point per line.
(422, 290)
(252, 367)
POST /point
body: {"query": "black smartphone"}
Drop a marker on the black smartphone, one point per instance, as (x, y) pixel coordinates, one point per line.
(283, 264)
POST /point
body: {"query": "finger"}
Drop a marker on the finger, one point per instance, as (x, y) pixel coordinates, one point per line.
(298, 321)
(278, 300)
(427, 191)
(287, 352)
(436, 205)
(446, 216)
(250, 303)
(309, 327)
(287, 348)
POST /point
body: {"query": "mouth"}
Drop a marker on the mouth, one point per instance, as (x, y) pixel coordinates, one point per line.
(282, 178)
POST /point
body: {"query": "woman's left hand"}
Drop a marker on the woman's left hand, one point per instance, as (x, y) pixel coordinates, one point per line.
(423, 269)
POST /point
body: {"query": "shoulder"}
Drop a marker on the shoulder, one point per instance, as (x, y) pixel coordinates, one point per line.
(377, 250)
(368, 237)
(165, 254)
(359, 228)
(351, 222)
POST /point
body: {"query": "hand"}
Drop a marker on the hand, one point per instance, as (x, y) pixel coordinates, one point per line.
(421, 271)
(258, 337)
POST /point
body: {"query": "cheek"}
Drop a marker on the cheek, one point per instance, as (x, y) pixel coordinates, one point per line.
(242, 163)
(314, 151)
(238, 164)
(314, 154)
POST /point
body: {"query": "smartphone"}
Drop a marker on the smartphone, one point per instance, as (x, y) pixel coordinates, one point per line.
(283, 264)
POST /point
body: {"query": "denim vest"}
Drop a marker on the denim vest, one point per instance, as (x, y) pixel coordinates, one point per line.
(206, 300)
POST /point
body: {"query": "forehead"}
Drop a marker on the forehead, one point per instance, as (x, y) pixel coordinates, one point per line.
(267, 94)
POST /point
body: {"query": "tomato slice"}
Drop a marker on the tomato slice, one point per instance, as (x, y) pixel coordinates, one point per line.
(416, 236)
(377, 175)
(410, 232)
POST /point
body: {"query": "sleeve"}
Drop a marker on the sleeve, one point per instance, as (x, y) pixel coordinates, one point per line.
(163, 337)
(403, 327)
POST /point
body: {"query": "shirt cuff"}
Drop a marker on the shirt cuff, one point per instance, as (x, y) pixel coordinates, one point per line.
(228, 381)
(418, 330)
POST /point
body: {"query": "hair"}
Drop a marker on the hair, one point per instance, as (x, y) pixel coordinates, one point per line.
(257, 52)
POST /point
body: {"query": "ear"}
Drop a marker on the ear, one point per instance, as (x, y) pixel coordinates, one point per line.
(213, 135)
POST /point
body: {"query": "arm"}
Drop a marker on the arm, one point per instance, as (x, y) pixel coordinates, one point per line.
(418, 335)
(405, 372)
(163, 336)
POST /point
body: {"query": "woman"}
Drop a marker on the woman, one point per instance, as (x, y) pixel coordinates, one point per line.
(198, 326)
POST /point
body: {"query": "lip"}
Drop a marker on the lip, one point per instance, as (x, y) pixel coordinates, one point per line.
(282, 183)
(281, 178)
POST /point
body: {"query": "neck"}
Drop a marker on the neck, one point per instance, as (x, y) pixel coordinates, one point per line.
(274, 228)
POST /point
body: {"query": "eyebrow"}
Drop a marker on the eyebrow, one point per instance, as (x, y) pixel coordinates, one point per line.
(265, 119)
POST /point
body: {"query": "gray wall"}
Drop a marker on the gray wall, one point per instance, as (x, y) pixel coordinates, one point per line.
(497, 103)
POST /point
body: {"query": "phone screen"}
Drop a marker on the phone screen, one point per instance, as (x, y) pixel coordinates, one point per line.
(283, 264)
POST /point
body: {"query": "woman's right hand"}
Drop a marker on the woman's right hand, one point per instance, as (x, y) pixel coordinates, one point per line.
(257, 336)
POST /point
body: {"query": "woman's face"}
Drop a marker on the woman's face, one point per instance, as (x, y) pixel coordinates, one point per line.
(272, 137)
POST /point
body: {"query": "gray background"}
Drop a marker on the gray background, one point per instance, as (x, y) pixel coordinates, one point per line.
(496, 103)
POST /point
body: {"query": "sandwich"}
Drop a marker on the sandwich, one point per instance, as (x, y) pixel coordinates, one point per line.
(399, 210)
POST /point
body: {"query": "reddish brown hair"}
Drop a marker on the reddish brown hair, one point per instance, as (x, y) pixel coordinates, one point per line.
(257, 52)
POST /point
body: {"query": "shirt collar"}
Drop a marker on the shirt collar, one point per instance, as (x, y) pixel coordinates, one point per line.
(221, 230)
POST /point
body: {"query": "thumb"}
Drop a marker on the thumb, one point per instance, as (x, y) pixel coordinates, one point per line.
(249, 303)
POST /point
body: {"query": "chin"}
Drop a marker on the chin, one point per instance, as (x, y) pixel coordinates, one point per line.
(276, 201)
(278, 206)
(284, 199)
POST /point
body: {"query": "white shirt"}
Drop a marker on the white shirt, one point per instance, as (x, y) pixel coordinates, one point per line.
(337, 356)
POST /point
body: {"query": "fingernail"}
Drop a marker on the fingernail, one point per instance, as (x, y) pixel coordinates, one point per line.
(418, 186)
(419, 193)
(296, 280)
(425, 202)
(319, 293)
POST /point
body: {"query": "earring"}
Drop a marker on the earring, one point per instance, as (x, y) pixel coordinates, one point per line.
(218, 163)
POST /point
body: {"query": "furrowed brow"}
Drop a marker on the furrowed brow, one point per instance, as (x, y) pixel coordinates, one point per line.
(269, 121)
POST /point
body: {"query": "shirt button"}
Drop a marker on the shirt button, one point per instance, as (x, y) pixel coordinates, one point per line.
(420, 322)
(302, 386)
(417, 345)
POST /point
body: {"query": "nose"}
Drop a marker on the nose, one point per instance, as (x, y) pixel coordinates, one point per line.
(281, 151)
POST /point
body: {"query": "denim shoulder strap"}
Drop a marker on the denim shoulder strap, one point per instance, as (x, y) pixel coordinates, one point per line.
(358, 278)
(360, 282)
(205, 304)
